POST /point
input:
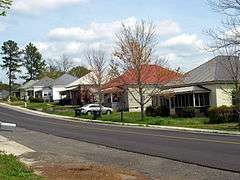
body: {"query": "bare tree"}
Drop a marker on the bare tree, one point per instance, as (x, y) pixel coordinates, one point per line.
(135, 48)
(113, 70)
(65, 63)
(97, 61)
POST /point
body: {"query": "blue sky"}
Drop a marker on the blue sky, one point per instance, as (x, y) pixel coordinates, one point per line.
(71, 26)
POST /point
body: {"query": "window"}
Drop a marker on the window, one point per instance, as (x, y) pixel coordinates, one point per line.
(202, 99)
(160, 101)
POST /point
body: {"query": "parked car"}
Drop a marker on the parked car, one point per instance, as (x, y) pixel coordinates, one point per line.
(89, 108)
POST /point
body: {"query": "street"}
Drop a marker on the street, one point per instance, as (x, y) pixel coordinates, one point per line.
(207, 150)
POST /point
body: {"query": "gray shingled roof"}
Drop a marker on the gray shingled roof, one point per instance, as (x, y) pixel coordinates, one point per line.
(44, 82)
(28, 84)
(215, 70)
(64, 80)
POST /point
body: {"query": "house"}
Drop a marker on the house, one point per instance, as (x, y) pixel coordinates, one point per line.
(37, 89)
(46, 88)
(43, 88)
(26, 90)
(209, 84)
(60, 84)
(80, 91)
(121, 93)
(3, 94)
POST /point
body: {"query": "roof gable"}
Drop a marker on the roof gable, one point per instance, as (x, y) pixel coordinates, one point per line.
(44, 82)
(150, 74)
(28, 84)
(217, 69)
(64, 80)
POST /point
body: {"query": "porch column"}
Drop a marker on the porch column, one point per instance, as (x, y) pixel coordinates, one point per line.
(111, 98)
(194, 102)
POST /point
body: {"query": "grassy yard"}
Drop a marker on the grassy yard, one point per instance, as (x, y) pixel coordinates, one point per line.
(12, 169)
(201, 123)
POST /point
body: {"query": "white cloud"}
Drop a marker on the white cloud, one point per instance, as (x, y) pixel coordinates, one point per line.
(33, 6)
(74, 41)
(168, 27)
(92, 32)
(106, 30)
(184, 40)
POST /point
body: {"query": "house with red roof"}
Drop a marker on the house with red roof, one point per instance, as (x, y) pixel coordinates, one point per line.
(121, 93)
(210, 84)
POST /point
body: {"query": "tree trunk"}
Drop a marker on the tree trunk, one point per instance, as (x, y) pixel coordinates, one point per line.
(10, 85)
(142, 112)
(141, 103)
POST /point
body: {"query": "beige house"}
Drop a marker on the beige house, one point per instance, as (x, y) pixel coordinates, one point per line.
(210, 84)
(121, 93)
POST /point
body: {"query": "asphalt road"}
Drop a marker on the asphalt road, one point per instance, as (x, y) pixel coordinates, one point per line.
(215, 151)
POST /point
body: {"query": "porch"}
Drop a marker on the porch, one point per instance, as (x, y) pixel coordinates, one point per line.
(116, 98)
(176, 99)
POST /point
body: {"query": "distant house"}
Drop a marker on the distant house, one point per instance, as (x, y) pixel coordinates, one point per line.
(26, 90)
(80, 91)
(46, 88)
(43, 88)
(60, 84)
(117, 92)
(37, 89)
(209, 84)
(3, 94)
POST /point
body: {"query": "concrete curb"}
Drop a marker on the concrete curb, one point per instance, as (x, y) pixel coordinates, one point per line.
(167, 128)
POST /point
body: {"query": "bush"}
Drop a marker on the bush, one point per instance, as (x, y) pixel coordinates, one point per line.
(222, 114)
(162, 111)
(36, 100)
(189, 112)
(150, 111)
(14, 98)
(158, 111)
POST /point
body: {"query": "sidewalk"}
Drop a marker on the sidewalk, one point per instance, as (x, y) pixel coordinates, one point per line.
(74, 119)
(11, 147)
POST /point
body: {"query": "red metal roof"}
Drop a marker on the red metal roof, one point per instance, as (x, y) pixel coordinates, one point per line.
(151, 74)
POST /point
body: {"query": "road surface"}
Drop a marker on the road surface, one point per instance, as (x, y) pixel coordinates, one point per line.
(215, 151)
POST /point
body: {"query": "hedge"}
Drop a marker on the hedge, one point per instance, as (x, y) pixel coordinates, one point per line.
(157, 111)
(36, 100)
(223, 114)
(187, 112)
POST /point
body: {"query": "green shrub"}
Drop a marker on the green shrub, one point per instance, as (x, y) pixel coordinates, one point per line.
(162, 111)
(189, 112)
(157, 111)
(14, 98)
(36, 100)
(222, 114)
(150, 111)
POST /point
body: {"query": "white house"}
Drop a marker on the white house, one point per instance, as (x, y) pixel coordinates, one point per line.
(60, 84)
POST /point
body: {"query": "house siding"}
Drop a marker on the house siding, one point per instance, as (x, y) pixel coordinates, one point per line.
(224, 96)
(134, 106)
(220, 94)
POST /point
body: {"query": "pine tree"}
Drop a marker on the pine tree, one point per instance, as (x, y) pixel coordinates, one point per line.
(11, 61)
(33, 62)
(4, 6)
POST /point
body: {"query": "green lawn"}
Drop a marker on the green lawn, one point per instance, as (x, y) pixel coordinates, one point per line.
(134, 117)
(12, 169)
(201, 123)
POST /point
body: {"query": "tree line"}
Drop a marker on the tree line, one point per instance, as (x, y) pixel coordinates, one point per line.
(30, 61)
